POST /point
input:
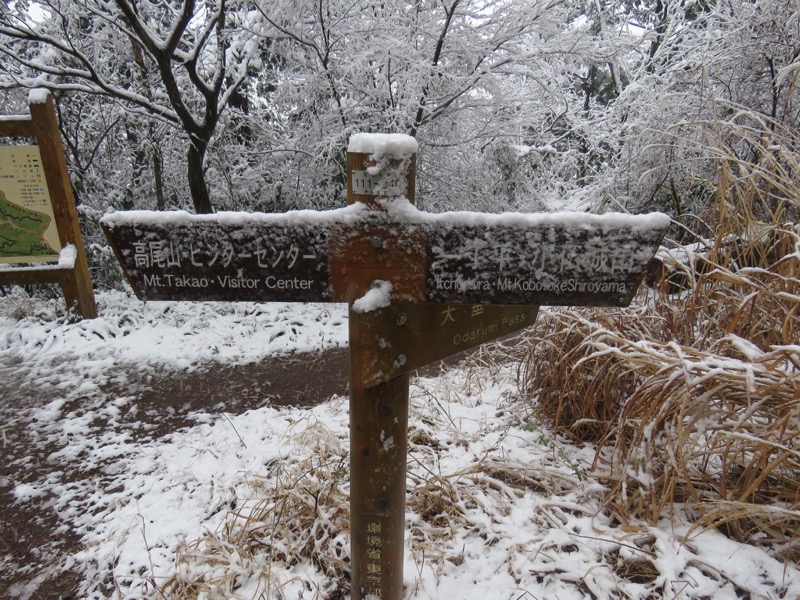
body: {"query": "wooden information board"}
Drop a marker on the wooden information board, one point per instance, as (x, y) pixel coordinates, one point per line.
(450, 282)
(38, 217)
(29, 233)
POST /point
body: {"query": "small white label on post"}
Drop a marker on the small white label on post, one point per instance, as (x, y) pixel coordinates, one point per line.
(377, 185)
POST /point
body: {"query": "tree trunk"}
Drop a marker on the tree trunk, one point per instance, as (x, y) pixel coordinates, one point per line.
(158, 175)
(197, 179)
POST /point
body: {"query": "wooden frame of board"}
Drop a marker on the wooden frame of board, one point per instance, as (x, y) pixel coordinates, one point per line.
(71, 272)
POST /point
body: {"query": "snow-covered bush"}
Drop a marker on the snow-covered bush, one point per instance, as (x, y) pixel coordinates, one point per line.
(692, 394)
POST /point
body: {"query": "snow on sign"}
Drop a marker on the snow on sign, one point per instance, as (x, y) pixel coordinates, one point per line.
(176, 256)
(38, 219)
(421, 334)
(457, 258)
(559, 259)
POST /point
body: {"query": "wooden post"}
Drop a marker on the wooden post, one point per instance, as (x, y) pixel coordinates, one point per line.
(75, 281)
(378, 428)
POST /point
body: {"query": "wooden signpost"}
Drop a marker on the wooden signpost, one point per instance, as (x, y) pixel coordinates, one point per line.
(35, 194)
(420, 288)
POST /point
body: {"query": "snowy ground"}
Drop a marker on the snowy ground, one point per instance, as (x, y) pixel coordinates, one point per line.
(495, 509)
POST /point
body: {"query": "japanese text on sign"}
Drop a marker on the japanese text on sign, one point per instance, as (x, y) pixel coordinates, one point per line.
(277, 262)
(475, 328)
(29, 232)
(168, 254)
(553, 263)
(374, 549)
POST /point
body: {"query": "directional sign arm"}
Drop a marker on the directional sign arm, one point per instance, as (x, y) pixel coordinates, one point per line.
(401, 338)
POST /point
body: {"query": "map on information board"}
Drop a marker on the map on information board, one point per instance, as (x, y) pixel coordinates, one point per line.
(28, 231)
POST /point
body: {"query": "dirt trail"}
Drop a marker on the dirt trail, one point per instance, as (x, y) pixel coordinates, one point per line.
(34, 542)
(39, 407)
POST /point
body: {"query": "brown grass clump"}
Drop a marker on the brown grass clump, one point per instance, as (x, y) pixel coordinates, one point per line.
(693, 393)
(301, 514)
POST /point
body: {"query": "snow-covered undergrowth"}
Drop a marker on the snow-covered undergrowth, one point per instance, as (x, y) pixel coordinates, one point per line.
(691, 394)
(254, 505)
(177, 335)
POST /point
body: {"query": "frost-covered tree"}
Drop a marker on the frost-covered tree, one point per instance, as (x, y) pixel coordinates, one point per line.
(518, 104)
(489, 89)
(179, 64)
(715, 74)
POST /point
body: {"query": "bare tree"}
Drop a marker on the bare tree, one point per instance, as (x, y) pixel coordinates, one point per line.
(463, 76)
(178, 62)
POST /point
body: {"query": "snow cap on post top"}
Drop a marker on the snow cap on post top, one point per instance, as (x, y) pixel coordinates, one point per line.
(396, 144)
(38, 96)
(381, 165)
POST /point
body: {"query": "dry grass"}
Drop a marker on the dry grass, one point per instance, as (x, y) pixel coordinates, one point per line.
(483, 485)
(693, 393)
(300, 515)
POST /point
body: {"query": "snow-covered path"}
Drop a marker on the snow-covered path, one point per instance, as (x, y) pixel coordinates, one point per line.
(137, 441)
(76, 398)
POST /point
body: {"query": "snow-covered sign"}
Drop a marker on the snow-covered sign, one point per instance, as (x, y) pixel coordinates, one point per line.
(571, 259)
(233, 257)
(421, 334)
(464, 258)
(421, 287)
